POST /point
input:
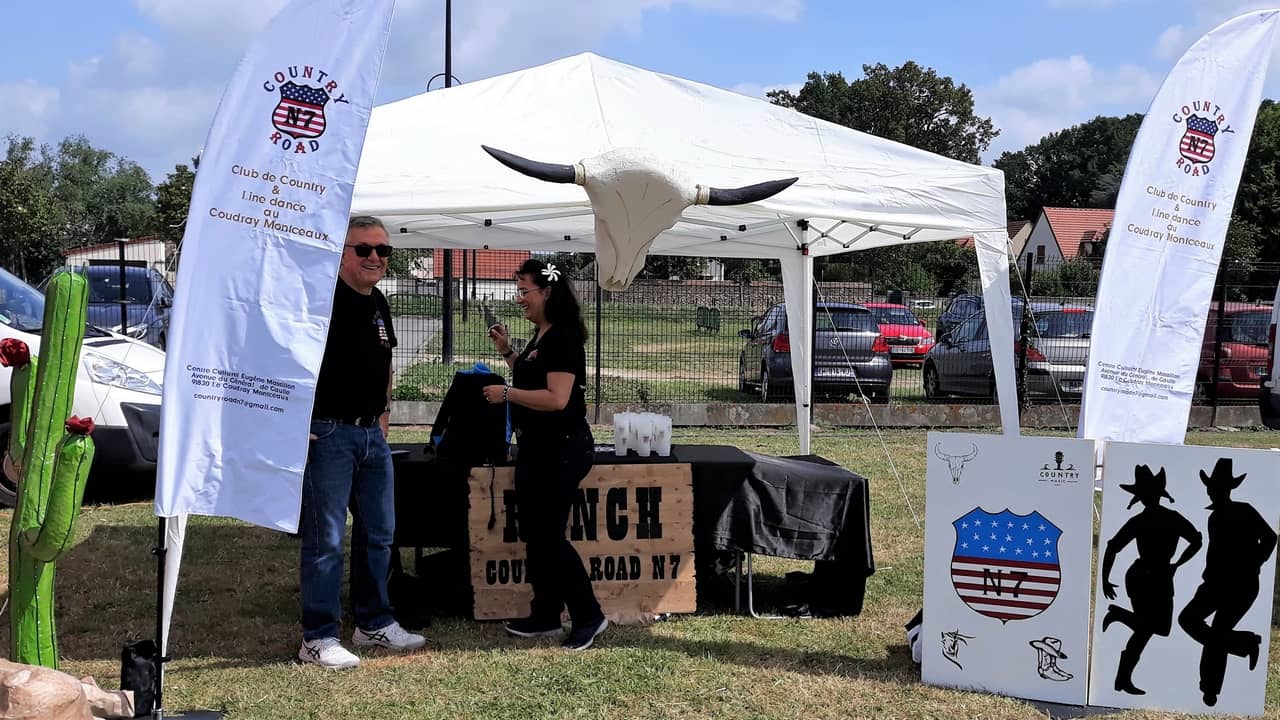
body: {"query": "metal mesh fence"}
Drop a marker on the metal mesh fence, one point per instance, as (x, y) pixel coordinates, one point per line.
(692, 341)
(708, 341)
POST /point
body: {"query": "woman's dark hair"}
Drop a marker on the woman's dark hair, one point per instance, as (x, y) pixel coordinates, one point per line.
(562, 308)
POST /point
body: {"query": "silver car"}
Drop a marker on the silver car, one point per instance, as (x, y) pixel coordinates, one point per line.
(1058, 351)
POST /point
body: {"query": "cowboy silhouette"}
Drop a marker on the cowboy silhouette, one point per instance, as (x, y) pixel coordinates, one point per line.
(1240, 541)
(1149, 580)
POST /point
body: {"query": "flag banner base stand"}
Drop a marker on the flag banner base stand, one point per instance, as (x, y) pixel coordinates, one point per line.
(160, 551)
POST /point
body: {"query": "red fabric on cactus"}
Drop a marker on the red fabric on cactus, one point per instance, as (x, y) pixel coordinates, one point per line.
(79, 426)
(14, 353)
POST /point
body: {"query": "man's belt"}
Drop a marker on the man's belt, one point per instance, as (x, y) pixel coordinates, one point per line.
(366, 421)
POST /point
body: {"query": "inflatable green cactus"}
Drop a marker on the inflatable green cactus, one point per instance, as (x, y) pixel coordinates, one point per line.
(52, 461)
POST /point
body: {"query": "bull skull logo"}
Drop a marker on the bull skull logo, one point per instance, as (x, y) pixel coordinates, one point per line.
(635, 197)
(955, 462)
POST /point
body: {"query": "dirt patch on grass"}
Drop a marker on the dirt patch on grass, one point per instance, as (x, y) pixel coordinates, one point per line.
(666, 347)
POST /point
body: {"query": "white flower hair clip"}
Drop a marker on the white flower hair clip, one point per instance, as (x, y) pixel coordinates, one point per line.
(551, 273)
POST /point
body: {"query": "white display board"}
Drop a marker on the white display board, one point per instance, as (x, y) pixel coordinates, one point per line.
(1186, 564)
(1008, 544)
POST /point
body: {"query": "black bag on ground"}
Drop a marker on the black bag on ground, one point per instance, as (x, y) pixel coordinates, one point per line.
(138, 673)
(471, 431)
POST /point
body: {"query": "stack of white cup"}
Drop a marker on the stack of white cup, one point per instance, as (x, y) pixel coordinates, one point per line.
(645, 433)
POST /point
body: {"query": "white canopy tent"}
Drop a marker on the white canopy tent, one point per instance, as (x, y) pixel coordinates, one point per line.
(424, 174)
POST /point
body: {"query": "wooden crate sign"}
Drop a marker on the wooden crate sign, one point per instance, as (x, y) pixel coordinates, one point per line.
(631, 524)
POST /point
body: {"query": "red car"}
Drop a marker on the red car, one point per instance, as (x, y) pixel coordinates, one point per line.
(1243, 333)
(909, 340)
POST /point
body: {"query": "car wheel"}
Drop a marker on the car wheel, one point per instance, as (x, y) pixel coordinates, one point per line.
(932, 384)
(8, 489)
(742, 378)
(766, 392)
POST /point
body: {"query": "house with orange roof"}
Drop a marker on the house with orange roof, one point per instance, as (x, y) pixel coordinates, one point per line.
(1064, 234)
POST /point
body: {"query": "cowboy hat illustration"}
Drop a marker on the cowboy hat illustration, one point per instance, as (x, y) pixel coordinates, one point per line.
(1048, 653)
(1148, 485)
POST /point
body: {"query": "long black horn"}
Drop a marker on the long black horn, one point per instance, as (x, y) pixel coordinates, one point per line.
(551, 172)
(747, 193)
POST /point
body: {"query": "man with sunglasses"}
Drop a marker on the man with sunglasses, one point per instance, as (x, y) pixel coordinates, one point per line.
(349, 464)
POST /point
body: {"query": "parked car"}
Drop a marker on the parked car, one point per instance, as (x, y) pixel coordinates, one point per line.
(147, 296)
(960, 308)
(1057, 354)
(1242, 331)
(849, 354)
(1058, 350)
(118, 384)
(908, 337)
(1269, 392)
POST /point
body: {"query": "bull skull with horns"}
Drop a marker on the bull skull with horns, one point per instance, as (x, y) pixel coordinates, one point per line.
(634, 196)
(955, 463)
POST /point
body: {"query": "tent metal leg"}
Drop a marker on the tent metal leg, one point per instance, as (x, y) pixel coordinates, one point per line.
(737, 591)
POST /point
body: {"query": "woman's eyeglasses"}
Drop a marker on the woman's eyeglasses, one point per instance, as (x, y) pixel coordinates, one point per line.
(521, 292)
(363, 250)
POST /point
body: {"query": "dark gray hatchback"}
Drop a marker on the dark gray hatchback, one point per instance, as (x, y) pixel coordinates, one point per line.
(849, 354)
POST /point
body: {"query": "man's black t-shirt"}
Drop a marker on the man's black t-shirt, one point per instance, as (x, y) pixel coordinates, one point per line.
(559, 350)
(357, 357)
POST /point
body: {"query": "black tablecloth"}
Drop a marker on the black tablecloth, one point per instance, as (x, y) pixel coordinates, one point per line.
(804, 508)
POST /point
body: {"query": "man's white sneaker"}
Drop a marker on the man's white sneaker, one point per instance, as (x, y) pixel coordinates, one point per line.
(327, 652)
(392, 636)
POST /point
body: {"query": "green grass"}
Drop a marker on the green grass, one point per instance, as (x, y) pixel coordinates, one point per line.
(235, 629)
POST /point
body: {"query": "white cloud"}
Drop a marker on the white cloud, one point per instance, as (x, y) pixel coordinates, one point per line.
(150, 95)
(1171, 43)
(217, 21)
(1051, 94)
(139, 55)
(1209, 14)
(29, 107)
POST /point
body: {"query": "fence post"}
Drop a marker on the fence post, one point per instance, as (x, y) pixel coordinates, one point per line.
(465, 253)
(446, 310)
(1217, 337)
(599, 304)
(124, 307)
(1023, 325)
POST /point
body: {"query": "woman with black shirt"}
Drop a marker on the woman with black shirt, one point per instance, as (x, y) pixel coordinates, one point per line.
(548, 409)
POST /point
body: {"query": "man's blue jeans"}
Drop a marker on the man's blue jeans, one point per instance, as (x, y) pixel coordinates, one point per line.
(348, 466)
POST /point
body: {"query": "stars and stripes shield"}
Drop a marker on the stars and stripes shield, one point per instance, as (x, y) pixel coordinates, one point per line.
(1197, 142)
(1005, 565)
(300, 112)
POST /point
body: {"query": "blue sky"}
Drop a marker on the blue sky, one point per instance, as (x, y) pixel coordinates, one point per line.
(142, 77)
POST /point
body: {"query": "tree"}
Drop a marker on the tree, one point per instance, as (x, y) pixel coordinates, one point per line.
(55, 199)
(907, 104)
(1077, 277)
(744, 271)
(673, 267)
(103, 196)
(1258, 199)
(27, 212)
(1079, 167)
(928, 268)
(173, 201)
